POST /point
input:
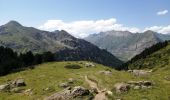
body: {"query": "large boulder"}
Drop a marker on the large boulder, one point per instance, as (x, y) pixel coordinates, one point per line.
(20, 82)
(79, 91)
(121, 87)
(64, 85)
(69, 94)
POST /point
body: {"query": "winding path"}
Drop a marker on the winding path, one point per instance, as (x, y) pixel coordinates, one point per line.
(101, 93)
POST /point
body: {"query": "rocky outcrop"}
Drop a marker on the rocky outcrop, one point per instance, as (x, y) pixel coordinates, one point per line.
(13, 85)
(69, 93)
(140, 72)
(140, 84)
(121, 87)
(125, 86)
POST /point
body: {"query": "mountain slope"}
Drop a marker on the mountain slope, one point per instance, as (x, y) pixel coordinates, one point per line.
(66, 47)
(45, 79)
(157, 56)
(124, 44)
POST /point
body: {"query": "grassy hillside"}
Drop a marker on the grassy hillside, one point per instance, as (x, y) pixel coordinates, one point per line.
(158, 59)
(45, 78)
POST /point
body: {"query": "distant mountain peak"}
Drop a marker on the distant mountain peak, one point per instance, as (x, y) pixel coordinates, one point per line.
(149, 31)
(13, 23)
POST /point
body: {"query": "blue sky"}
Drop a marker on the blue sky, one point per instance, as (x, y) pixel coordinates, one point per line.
(131, 13)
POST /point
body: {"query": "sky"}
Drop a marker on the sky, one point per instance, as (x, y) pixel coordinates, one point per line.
(84, 17)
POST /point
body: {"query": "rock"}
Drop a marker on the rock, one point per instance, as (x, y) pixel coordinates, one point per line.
(94, 90)
(130, 71)
(4, 87)
(141, 72)
(167, 78)
(89, 65)
(121, 87)
(137, 87)
(140, 84)
(28, 92)
(79, 91)
(109, 93)
(19, 82)
(68, 94)
(108, 72)
(71, 80)
(64, 85)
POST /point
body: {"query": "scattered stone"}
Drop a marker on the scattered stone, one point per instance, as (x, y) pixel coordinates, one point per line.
(108, 72)
(20, 82)
(140, 72)
(28, 92)
(167, 78)
(79, 91)
(69, 93)
(130, 71)
(94, 90)
(140, 84)
(64, 85)
(89, 65)
(121, 87)
(136, 87)
(4, 87)
(109, 93)
(71, 80)
(13, 85)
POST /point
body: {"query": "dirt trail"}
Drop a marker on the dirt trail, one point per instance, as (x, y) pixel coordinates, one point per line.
(101, 93)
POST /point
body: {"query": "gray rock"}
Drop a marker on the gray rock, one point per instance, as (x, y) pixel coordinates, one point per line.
(137, 87)
(79, 91)
(69, 94)
(64, 85)
(141, 72)
(4, 87)
(105, 72)
(89, 65)
(71, 80)
(121, 87)
(19, 82)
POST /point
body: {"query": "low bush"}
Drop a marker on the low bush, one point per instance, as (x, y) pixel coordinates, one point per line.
(73, 66)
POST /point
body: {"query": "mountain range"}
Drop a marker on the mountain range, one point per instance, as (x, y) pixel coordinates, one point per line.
(65, 46)
(124, 44)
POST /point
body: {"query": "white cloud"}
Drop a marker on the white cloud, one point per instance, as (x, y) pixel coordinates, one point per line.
(160, 29)
(85, 27)
(163, 12)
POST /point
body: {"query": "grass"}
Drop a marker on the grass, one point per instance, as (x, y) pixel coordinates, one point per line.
(50, 75)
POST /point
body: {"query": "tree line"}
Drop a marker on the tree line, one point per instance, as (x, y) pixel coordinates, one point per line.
(11, 61)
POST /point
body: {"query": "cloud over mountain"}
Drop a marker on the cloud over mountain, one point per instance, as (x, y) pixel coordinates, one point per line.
(83, 28)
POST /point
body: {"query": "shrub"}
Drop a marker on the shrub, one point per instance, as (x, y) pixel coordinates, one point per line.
(73, 66)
